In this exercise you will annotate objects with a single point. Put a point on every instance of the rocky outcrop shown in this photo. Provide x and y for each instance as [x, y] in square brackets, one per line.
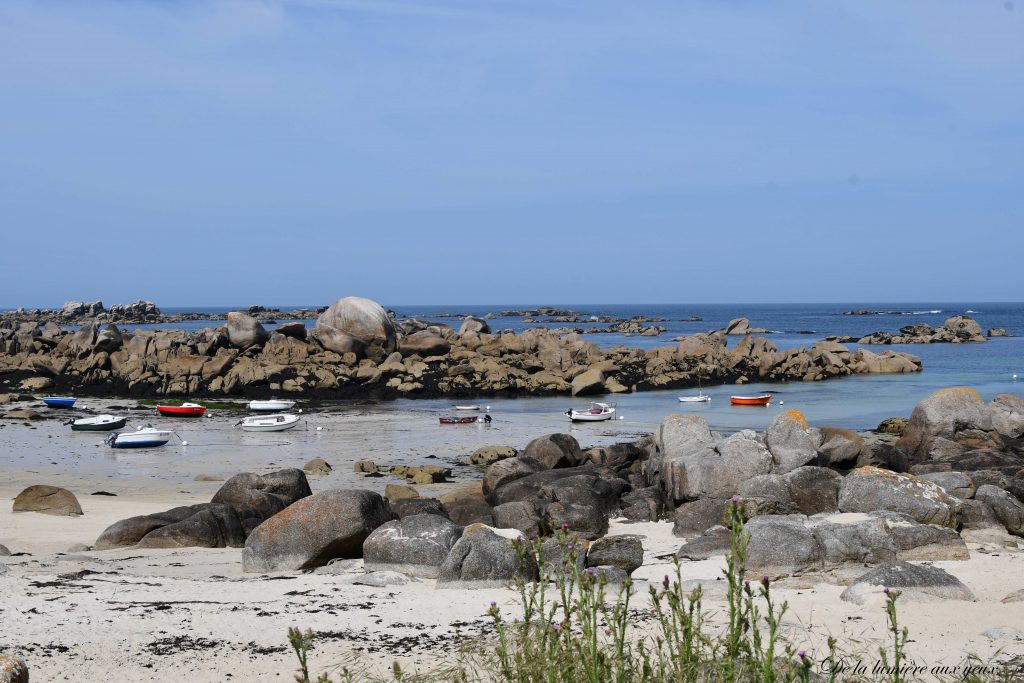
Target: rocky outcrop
[740, 327]
[956, 330]
[942, 416]
[49, 500]
[357, 351]
[315, 530]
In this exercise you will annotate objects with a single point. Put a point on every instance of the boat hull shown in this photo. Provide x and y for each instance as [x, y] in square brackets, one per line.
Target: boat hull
[694, 399]
[457, 420]
[59, 401]
[99, 426]
[269, 424]
[270, 406]
[147, 438]
[750, 400]
[181, 411]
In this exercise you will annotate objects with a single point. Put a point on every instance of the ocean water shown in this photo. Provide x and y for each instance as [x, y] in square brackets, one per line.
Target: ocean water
[855, 402]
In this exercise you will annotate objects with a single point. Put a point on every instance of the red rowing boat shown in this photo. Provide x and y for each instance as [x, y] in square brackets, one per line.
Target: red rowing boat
[184, 410]
[457, 420]
[761, 400]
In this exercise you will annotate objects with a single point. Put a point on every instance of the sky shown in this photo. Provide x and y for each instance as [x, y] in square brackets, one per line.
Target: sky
[234, 152]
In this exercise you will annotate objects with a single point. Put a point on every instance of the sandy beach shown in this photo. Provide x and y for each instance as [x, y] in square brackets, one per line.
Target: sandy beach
[161, 615]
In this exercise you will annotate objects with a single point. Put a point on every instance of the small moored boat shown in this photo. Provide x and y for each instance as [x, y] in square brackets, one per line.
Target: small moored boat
[598, 412]
[268, 423]
[762, 400]
[59, 401]
[274, 404]
[699, 398]
[184, 410]
[467, 407]
[459, 420]
[100, 423]
[144, 437]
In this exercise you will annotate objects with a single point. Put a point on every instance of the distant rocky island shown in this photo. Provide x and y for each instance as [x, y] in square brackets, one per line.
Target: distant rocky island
[140, 313]
[357, 350]
[958, 329]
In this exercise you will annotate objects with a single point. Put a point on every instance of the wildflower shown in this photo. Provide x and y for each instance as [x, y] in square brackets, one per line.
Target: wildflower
[765, 580]
[556, 627]
[734, 499]
[801, 654]
[565, 526]
[665, 582]
[886, 590]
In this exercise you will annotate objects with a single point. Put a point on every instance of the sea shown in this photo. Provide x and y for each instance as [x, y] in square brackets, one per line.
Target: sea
[406, 431]
[993, 367]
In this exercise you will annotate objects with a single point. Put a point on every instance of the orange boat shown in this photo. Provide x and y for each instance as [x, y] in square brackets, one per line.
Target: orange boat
[761, 400]
[184, 410]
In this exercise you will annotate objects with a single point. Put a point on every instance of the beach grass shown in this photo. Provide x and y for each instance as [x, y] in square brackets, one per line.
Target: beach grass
[572, 626]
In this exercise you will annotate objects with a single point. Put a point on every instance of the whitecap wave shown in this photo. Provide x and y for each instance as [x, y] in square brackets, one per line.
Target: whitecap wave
[926, 312]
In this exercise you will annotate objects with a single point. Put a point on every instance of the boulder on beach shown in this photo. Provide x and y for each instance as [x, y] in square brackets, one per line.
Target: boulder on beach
[485, 455]
[625, 551]
[868, 489]
[13, 669]
[205, 525]
[314, 530]
[555, 451]
[942, 414]
[917, 583]
[790, 441]
[692, 519]
[417, 545]
[483, 559]
[424, 343]
[317, 466]
[782, 544]
[356, 325]
[49, 500]
[1007, 509]
[256, 497]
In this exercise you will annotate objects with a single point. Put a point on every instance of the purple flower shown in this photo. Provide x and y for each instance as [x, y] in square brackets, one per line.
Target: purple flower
[765, 580]
[493, 603]
[734, 499]
[746, 583]
[565, 526]
[886, 590]
[556, 628]
[665, 581]
[801, 654]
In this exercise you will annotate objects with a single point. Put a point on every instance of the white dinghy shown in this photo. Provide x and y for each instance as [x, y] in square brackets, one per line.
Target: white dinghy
[268, 423]
[271, 405]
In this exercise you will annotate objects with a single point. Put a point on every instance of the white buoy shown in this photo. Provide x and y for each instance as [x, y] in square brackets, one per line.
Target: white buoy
[184, 443]
[782, 403]
[622, 417]
[488, 408]
[319, 429]
[300, 410]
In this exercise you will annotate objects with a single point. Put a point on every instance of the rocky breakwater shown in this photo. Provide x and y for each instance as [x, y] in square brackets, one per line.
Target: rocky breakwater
[958, 329]
[139, 312]
[356, 350]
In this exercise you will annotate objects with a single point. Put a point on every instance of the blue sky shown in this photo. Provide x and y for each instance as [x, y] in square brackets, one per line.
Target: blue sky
[258, 151]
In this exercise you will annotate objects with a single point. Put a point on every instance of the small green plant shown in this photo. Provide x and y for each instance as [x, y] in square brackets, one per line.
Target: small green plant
[570, 629]
[899, 639]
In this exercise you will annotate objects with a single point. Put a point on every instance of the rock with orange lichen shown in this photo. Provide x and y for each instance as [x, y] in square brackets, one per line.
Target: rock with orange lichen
[791, 443]
[942, 415]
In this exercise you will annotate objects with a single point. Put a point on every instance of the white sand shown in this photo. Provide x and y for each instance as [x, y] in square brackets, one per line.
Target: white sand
[161, 615]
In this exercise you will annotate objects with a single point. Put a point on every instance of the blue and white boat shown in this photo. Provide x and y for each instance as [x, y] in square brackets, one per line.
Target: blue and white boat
[143, 437]
[59, 401]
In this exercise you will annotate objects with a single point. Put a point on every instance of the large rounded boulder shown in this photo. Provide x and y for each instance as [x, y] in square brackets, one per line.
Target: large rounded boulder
[245, 331]
[357, 325]
[942, 415]
[50, 500]
[868, 489]
[483, 559]
[417, 545]
[315, 530]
